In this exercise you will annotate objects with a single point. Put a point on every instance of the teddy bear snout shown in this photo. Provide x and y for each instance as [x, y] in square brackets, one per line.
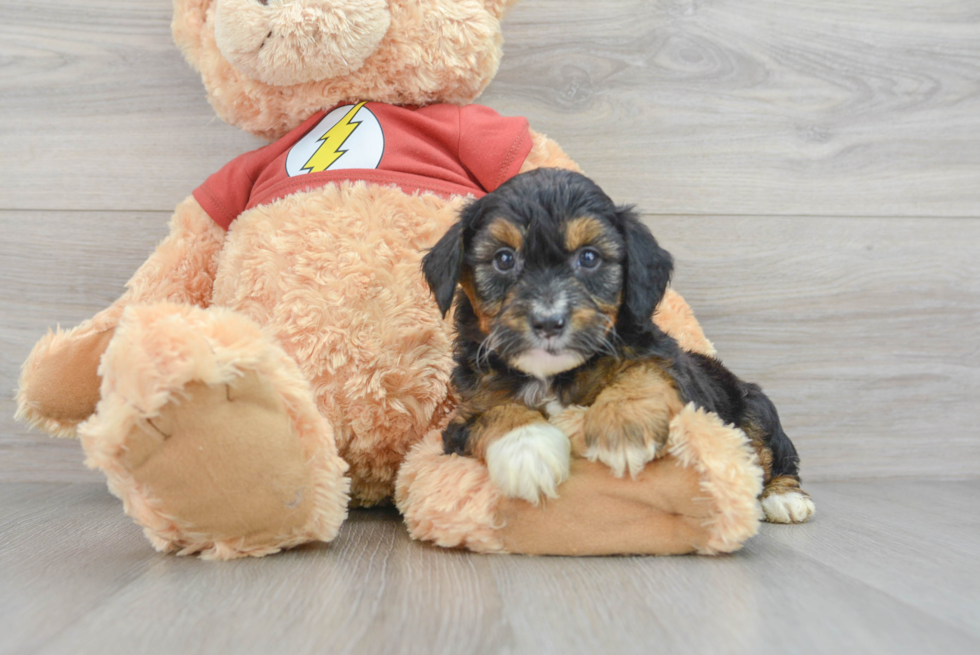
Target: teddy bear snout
[286, 42]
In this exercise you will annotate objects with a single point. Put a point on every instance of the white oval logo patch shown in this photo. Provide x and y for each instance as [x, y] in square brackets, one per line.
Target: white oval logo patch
[347, 137]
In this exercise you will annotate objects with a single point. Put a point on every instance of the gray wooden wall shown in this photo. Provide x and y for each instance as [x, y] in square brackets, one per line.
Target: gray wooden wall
[813, 166]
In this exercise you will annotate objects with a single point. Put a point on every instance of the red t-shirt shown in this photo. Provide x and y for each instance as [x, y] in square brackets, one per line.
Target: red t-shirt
[445, 149]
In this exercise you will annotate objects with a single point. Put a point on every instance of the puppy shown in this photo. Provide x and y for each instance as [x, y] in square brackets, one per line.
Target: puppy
[556, 289]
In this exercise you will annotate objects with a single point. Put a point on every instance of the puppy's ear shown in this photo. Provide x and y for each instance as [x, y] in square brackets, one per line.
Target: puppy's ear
[443, 265]
[648, 268]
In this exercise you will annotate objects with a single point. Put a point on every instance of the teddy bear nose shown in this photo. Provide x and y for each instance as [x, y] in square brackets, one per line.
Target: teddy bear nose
[548, 325]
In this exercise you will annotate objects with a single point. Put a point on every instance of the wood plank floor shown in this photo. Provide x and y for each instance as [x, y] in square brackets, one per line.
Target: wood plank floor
[886, 566]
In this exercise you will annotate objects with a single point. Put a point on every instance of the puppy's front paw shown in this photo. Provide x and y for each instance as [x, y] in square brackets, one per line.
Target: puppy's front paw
[628, 424]
[623, 444]
[529, 461]
[789, 507]
[623, 456]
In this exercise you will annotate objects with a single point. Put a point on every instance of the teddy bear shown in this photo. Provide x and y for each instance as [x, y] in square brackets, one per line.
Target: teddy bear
[279, 358]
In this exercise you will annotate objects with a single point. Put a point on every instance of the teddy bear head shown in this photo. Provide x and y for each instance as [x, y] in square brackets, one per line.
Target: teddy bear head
[269, 64]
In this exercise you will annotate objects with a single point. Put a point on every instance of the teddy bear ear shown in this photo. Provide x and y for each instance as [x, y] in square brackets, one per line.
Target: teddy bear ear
[499, 8]
[189, 19]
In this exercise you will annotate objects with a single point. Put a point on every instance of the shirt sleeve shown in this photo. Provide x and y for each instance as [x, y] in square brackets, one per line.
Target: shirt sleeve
[492, 147]
[225, 194]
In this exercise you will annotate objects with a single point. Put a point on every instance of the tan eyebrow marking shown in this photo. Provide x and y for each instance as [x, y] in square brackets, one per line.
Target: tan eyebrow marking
[582, 231]
[506, 232]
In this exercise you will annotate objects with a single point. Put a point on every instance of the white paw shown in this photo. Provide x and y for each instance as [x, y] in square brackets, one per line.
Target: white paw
[529, 461]
[632, 457]
[792, 507]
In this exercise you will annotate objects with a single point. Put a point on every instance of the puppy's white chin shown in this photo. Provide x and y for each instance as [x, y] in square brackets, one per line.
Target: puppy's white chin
[543, 364]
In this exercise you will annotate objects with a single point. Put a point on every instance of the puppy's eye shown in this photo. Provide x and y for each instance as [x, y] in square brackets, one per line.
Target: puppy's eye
[589, 258]
[503, 260]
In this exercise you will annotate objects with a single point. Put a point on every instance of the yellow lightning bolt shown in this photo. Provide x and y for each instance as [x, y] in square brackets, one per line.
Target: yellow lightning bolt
[329, 151]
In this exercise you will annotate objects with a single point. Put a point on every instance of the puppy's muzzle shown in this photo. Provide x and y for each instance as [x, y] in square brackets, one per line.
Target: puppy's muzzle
[548, 325]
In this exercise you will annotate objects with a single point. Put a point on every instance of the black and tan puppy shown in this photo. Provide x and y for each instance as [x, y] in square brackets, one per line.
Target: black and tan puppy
[557, 289]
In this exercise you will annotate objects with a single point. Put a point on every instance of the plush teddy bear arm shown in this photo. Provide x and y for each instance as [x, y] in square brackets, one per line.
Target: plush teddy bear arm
[675, 317]
[546, 153]
[700, 496]
[59, 382]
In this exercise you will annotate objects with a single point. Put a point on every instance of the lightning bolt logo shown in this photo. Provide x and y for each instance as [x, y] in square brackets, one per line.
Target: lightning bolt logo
[332, 140]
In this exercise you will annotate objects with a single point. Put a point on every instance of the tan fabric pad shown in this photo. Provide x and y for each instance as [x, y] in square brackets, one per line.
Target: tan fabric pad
[226, 460]
[661, 512]
[66, 384]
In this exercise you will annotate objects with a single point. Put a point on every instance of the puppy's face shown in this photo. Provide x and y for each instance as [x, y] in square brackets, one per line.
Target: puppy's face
[549, 266]
[546, 293]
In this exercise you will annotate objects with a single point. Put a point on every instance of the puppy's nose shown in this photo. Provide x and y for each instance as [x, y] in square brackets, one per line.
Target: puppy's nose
[550, 325]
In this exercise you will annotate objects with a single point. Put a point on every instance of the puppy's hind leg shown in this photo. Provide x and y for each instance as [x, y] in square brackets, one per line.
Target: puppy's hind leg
[782, 499]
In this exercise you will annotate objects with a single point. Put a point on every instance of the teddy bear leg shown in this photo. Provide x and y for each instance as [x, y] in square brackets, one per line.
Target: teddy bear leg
[209, 434]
